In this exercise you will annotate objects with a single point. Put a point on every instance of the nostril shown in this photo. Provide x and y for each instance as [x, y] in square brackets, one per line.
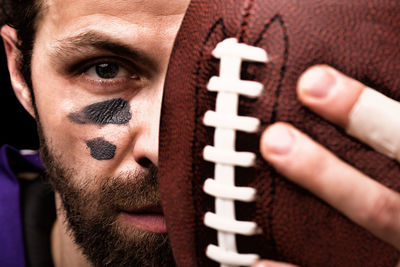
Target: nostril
[145, 162]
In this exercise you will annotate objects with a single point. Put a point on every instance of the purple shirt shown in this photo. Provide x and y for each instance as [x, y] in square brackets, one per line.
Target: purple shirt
[11, 236]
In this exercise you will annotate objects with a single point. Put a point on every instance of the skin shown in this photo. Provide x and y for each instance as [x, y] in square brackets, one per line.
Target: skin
[138, 24]
[64, 74]
[114, 111]
[310, 165]
[100, 149]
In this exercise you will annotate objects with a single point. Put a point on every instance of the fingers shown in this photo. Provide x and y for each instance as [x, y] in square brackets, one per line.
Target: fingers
[269, 263]
[313, 167]
[365, 113]
[329, 93]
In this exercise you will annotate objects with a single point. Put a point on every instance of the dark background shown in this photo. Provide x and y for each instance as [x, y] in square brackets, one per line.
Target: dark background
[17, 128]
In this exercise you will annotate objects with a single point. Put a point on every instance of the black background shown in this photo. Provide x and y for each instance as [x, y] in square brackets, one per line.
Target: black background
[17, 127]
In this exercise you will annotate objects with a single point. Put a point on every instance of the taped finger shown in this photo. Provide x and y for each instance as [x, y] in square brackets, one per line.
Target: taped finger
[375, 120]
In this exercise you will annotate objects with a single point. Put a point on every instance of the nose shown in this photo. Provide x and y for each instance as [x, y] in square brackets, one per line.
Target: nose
[145, 151]
[147, 122]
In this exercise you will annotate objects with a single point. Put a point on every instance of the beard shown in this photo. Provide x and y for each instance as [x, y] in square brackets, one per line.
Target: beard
[92, 209]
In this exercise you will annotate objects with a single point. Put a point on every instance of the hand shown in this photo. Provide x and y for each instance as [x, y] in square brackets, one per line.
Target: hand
[308, 164]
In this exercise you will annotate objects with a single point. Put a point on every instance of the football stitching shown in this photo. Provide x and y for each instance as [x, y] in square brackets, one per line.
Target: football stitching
[245, 21]
[244, 25]
[229, 86]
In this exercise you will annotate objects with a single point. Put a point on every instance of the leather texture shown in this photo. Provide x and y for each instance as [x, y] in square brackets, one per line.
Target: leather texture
[361, 38]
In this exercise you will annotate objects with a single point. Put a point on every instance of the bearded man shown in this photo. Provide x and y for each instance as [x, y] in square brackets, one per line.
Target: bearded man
[92, 73]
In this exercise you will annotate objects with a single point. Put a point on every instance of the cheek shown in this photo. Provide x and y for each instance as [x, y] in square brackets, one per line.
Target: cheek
[89, 149]
[101, 149]
[81, 132]
[54, 99]
[115, 112]
[58, 132]
[85, 145]
[68, 139]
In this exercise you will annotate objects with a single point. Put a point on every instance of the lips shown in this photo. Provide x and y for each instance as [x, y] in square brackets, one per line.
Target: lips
[149, 219]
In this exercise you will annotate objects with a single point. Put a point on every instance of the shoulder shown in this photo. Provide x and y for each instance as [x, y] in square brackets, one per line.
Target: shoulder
[11, 236]
[27, 209]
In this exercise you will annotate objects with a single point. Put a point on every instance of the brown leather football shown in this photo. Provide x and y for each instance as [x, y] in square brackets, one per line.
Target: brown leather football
[360, 38]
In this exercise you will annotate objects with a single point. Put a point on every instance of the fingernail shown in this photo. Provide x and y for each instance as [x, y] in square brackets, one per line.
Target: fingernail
[317, 82]
[279, 140]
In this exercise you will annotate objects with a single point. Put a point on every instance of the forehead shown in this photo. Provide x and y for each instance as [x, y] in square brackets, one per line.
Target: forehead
[71, 15]
[122, 8]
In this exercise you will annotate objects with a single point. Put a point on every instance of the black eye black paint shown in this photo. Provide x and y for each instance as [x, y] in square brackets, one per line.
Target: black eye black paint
[114, 111]
[100, 149]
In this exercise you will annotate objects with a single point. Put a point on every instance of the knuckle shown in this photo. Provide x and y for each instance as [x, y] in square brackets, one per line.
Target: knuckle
[384, 213]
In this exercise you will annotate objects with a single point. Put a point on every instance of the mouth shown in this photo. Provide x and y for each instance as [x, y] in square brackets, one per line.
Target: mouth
[149, 219]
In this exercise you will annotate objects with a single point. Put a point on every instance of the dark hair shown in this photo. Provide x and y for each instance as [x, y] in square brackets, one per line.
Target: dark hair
[22, 15]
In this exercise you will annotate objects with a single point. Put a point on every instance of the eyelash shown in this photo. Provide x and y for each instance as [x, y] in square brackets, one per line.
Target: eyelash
[80, 70]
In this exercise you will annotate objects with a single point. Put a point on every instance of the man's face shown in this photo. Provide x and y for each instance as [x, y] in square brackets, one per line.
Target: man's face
[98, 69]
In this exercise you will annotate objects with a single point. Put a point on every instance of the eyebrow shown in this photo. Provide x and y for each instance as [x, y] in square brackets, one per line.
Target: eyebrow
[90, 41]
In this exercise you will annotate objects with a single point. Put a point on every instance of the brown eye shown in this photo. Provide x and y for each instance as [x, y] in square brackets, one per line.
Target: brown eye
[107, 71]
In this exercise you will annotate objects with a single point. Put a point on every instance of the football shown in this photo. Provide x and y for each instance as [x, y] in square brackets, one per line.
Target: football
[233, 71]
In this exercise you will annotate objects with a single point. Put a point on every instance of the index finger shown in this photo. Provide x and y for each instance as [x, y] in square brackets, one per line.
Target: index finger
[365, 113]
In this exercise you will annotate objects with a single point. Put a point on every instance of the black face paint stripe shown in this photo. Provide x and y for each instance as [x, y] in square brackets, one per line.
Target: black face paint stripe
[114, 111]
[100, 149]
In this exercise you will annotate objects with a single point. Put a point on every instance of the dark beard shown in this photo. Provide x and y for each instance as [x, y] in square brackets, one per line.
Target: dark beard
[92, 212]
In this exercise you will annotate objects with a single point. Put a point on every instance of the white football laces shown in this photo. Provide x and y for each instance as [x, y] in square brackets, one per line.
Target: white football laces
[226, 121]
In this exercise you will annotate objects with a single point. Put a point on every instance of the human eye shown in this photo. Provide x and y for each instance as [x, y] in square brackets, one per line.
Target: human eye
[109, 70]
[107, 74]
